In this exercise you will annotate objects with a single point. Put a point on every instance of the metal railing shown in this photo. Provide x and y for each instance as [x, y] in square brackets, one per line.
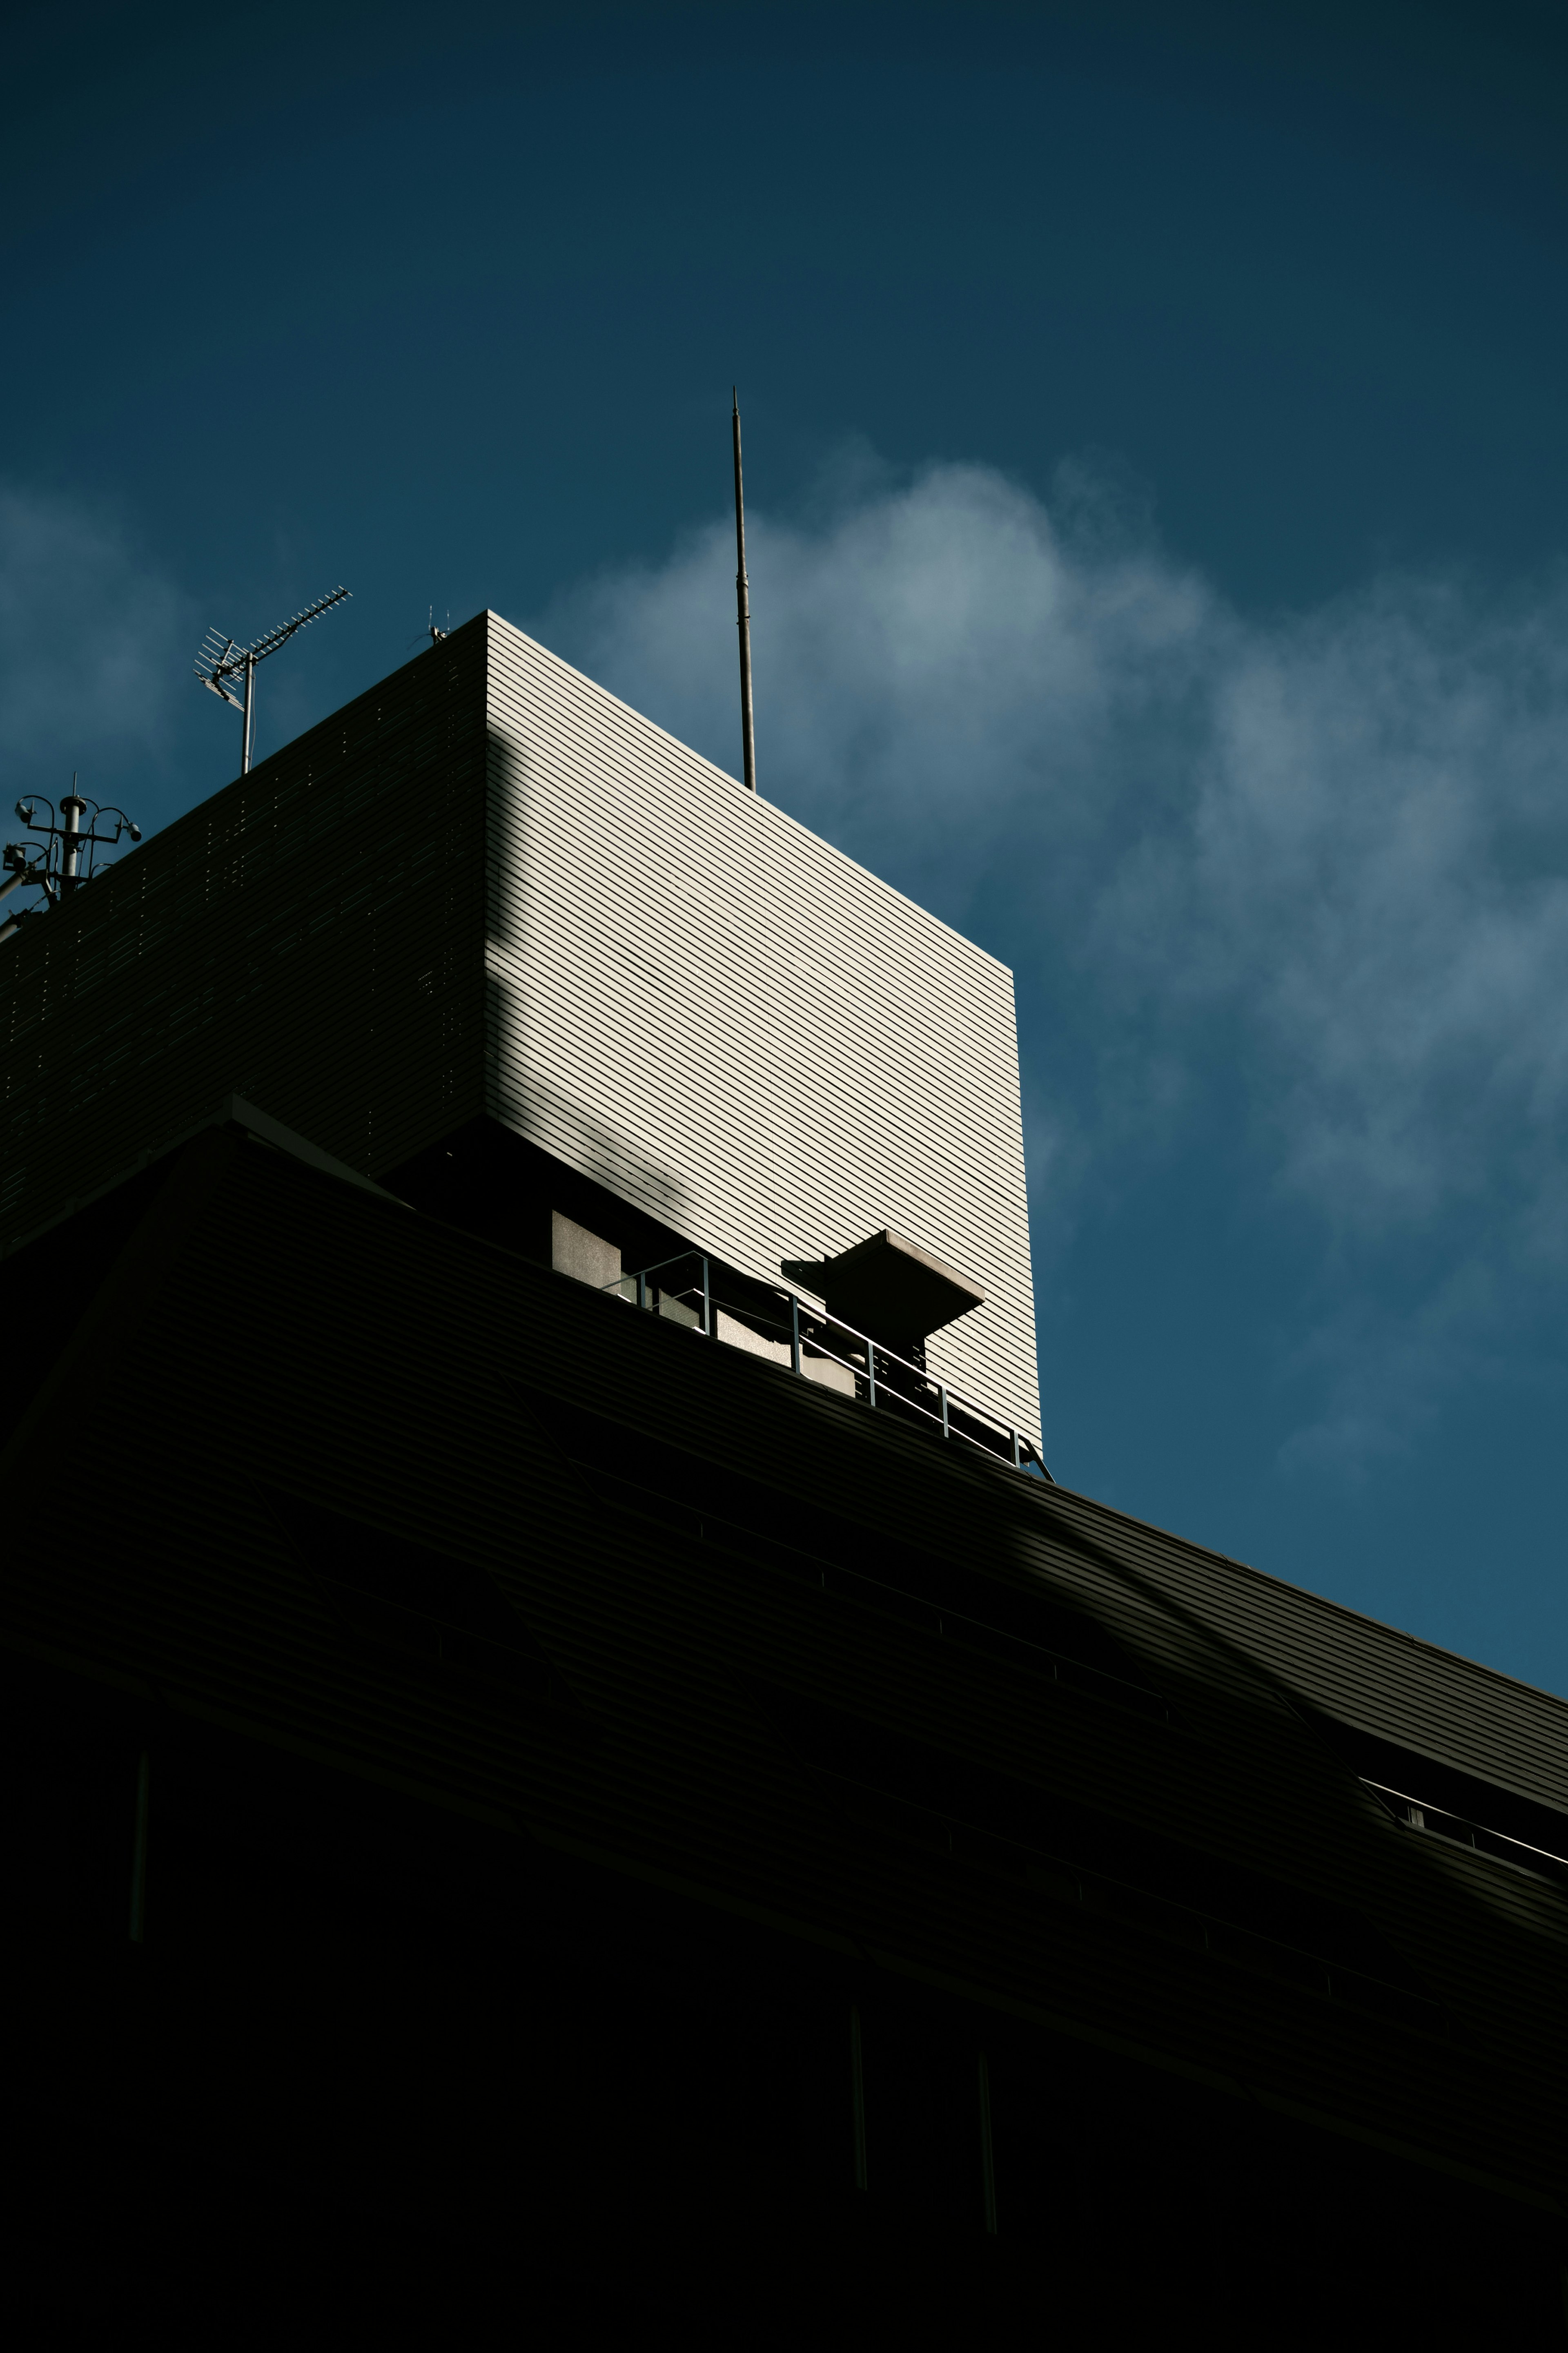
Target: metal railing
[1421, 1814]
[881, 1378]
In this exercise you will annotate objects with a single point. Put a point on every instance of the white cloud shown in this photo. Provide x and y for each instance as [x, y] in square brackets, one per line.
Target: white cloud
[1326, 853]
[1380, 833]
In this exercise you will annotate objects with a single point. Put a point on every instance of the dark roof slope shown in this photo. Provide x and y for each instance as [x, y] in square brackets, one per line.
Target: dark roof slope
[1073, 1770]
[1364, 1673]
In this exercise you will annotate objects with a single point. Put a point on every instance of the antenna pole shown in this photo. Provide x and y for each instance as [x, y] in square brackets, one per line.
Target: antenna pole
[249, 690]
[742, 607]
[71, 810]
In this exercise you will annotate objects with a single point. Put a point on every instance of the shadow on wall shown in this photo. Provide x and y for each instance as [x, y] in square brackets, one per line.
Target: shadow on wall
[561, 1125]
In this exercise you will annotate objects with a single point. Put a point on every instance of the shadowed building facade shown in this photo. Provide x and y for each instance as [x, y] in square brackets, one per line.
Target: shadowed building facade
[570, 1767]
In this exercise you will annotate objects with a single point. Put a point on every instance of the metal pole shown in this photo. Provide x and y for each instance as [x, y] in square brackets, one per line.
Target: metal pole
[794, 1334]
[70, 854]
[988, 2157]
[743, 608]
[249, 678]
[857, 2098]
[139, 1853]
[707, 1304]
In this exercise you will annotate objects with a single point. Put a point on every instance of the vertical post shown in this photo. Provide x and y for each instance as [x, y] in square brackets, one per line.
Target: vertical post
[742, 607]
[871, 1370]
[794, 1334]
[1017, 1461]
[139, 1852]
[942, 1392]
[858, 2098]
[249, 685]
[707, 1304]
[70, 849]
[642, 1289]
[988, 2155]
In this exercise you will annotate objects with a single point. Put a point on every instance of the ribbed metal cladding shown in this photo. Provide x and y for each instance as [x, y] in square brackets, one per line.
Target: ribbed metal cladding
[696, 1000]
[488, 886]
[304, 1332]
[1375, 1677]
[307, 938]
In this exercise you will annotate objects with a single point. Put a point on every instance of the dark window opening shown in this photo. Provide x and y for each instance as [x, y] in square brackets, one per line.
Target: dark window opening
[717, 1506]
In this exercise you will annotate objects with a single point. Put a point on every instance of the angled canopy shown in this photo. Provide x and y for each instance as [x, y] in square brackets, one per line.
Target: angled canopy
[896, 1290]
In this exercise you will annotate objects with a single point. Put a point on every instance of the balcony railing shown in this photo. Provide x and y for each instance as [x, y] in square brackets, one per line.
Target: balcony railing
[1420, 1814]
[776, 1323]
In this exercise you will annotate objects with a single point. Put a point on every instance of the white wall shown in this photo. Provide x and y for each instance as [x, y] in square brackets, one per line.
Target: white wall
[707, 1008]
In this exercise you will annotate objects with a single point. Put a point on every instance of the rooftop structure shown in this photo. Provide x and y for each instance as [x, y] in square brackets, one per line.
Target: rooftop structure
[496, 940]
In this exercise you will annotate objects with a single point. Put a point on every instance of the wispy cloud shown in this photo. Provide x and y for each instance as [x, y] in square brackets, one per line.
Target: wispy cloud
[1326, 854]
[90, 638]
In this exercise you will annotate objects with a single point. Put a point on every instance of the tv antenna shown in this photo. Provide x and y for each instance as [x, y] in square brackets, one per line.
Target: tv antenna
[65, 855]
[221, 660]
[742, 605]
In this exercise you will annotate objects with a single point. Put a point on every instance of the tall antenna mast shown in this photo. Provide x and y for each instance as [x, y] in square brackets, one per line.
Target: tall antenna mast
[220, 660]
[743, 607]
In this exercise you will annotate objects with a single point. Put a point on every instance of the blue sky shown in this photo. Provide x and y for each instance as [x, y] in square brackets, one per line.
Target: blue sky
[1159, 513]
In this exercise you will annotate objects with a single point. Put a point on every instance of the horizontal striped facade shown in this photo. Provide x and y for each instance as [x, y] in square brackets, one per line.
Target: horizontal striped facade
[1377, 1679]
[306, 939]
[294, 1329]
[489, 888]
[735, 1026]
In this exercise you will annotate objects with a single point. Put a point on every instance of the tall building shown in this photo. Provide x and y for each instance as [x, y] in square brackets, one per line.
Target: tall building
[571, 1764]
